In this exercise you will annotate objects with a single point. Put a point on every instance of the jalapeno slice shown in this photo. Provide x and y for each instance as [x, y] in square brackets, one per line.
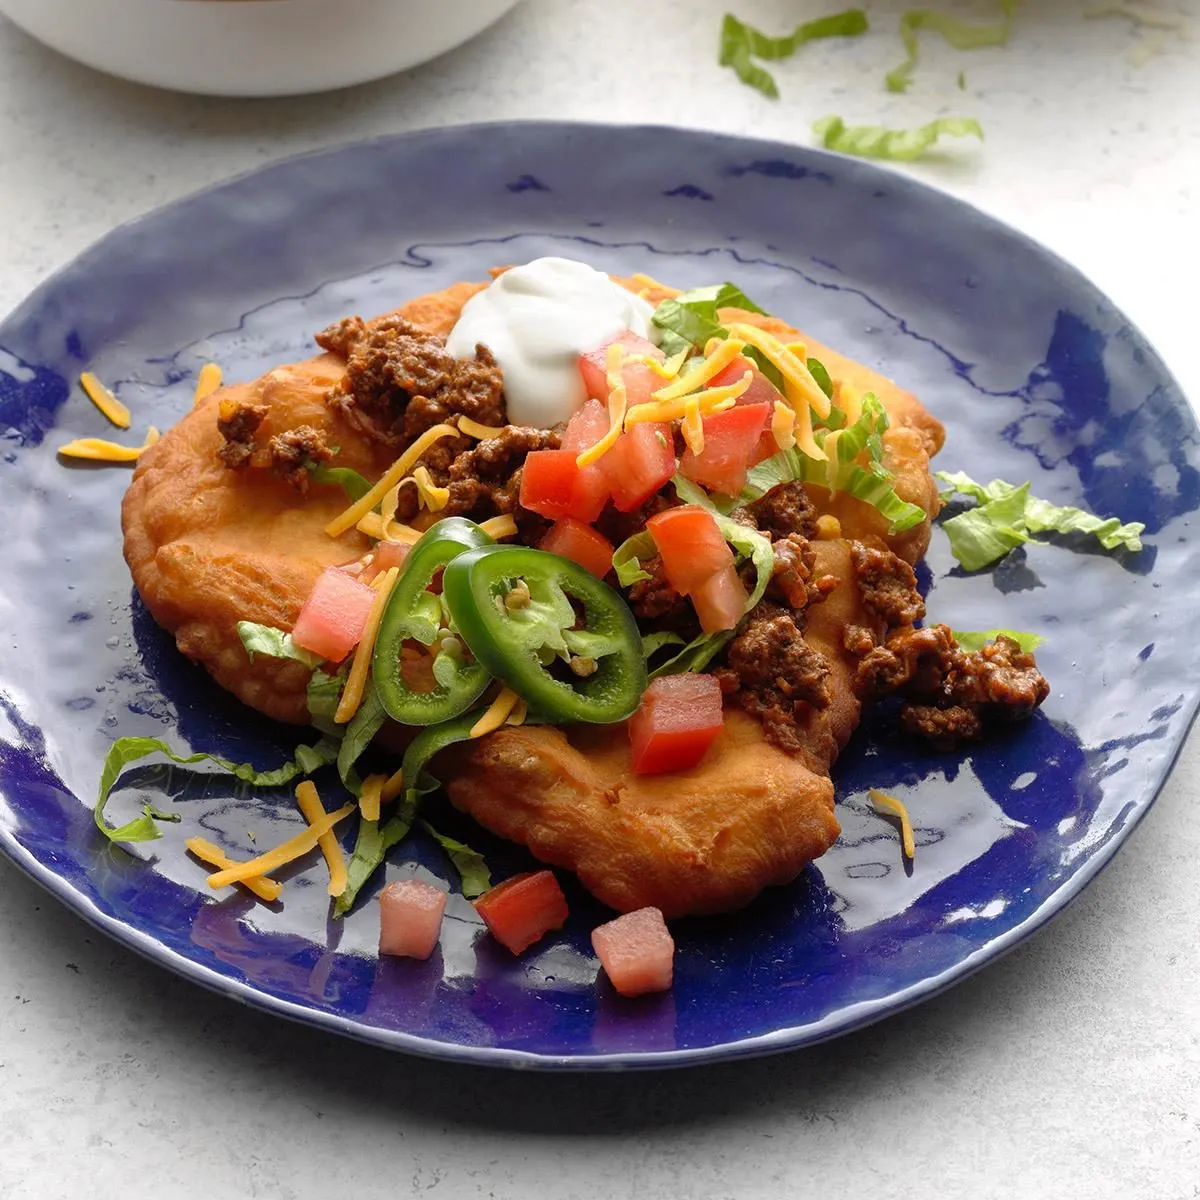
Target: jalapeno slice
[552, 631]
[414, 613]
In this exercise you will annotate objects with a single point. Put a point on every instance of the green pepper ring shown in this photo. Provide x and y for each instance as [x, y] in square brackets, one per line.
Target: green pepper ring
[474, 581]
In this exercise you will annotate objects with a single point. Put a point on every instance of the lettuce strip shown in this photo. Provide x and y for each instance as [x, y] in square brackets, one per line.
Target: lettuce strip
[371, 845]
[127, 750]
[274, 643]
[690, 319]
[895, 145]
[975, 639]
[741, 43]
[472, 869]
[959, 34]
[362, 727]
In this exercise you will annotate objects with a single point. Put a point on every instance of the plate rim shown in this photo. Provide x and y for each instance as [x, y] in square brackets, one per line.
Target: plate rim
[842, 1021]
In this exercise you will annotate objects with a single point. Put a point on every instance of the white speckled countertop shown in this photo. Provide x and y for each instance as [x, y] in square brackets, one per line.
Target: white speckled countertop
[1071, 1068]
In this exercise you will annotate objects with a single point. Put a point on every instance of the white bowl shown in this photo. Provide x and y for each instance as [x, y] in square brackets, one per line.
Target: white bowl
[253, 47]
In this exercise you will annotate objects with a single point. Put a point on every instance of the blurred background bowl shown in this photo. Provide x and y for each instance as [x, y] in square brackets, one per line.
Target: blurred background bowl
[253, 47]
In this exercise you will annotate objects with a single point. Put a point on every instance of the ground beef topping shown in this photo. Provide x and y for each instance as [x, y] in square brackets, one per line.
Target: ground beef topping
[888, 585]
[785, 509]
[291, 452]
[952, 695]
[400, 380]
[654, 599]
[775, 675]
[792, 582]
[237, 424]
[286, 454]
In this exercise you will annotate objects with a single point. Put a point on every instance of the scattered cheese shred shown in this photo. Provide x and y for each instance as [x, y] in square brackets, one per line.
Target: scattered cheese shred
[393, 787]
[99, 450]
[498, 712]
[282, 854]
[476, 430]
[313, 810]
[105, 401]
[848, 399]
[519, 713]
[711, 400]
[651, 284]
[892, 805]
[433, 497]
[783, 425]
[372, 795]
[214, 856]
[832, 463]
[804, 429]
[794, 369]
[693, 425]
[373, 526]
[666, 368]
[392, 476]
[207, 382]
[499, 527]
[360, 667]
[618, 398]
[697, 376]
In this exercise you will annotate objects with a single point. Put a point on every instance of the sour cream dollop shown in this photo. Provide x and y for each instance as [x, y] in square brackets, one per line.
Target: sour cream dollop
[537, 320]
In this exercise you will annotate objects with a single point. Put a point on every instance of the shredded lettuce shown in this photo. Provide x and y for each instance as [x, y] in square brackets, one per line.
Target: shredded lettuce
[274, 643]
[362, 727]
[371, 845]
[976, 639]
[349, 480]
[873, 484]
[896, 145]
[127, 750]
[741, 44]
[628, 557]
[1006, 516]
[324, 692]
[960, 34]
[470, 864]
[652, 643]
[690, 319]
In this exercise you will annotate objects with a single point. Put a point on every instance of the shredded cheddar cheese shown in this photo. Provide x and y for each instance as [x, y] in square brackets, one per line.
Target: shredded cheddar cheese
[499, 527]
[892, 805]
[711, 400]
[783, 425]
[848, 399]
[697, 376]
[392, 476]
[374, 527]
[693, 425]
[650, 284]
[618, 398]
[313, 810]
[797, 378]
[214, 856]
[829, 528]
[476, 430]
[105, 401]
[668, 368]
[207, 382]
[804, 428]
[498, 712]
[519, 713]
[282, 854]
[433, 497]
[393, 787]
[832, 462]
[100, 450]
[360, 667]
[372, 794]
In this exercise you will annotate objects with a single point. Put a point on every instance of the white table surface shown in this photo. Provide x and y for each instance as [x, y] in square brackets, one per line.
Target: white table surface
[1071, 1068]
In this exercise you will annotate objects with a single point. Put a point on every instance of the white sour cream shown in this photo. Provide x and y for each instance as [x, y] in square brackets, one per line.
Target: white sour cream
[537, 320]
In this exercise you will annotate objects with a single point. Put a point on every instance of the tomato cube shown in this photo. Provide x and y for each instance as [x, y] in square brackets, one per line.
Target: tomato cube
[691, 546]
[720, 601]
[385, 556]
[553, 485]
[640, 381]
[410, 918]
[641, 462]
[334, 615]
[637, 952]
[581, 544]
[523, 909]
[761, 389]
[679, 718]
[730, 441]
[586, 427]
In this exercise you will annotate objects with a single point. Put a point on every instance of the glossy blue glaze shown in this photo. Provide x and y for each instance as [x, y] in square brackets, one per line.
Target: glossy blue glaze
[1034, 372]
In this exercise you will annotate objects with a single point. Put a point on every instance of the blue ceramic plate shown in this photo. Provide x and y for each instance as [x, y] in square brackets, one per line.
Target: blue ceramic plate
[1034, 372]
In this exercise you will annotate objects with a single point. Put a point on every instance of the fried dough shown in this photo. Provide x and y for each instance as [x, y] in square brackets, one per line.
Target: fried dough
[208, 547]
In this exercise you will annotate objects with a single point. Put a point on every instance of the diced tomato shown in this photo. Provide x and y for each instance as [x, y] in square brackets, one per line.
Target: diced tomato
[553, 485]
[333, 616]
[690, 544]
[586, 427]
[679, 718]
[410, 918]
[581, 544]
[760, 391]
[522, 909]
[730, 440]
[641, 462]
[637, 952]
[720, 601]
[639, 379]
[384, 557]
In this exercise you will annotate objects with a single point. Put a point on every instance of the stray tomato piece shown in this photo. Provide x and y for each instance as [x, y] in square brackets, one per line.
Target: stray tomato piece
[691, 546]
[720, 602]
[679, 718]
[521, 910]
[730, 441]
[554, 486]
[332, 619]
[581, 544]
[639, 379]
[637, 952]
[385, 556]
[410, 918]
